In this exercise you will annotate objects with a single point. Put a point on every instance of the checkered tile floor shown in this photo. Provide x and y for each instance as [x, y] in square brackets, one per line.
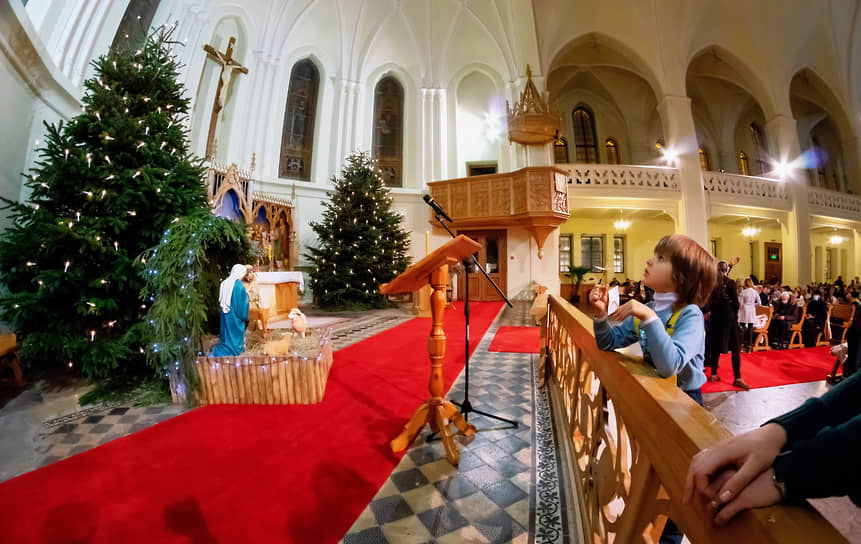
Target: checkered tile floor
[490, 497]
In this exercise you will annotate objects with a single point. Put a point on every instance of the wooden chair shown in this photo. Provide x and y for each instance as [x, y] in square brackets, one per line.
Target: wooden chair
[760, 342]
[795, 339]
[846, 312]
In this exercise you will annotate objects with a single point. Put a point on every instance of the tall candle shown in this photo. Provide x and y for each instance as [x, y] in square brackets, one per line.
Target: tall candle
[427, 242]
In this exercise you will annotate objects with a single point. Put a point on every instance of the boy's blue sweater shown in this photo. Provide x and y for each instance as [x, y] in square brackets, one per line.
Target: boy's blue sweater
[680, 355]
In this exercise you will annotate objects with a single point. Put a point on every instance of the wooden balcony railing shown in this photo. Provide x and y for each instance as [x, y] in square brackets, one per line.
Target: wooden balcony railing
[535, 198]
[631, 436]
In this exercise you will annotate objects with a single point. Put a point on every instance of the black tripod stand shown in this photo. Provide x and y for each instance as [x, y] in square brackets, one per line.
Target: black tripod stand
[466, 406]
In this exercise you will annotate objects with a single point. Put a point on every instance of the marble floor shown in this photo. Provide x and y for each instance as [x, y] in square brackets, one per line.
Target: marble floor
[506, 474]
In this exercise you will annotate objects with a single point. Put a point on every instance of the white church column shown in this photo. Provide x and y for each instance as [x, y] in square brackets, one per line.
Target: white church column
[65, 40]
[343, 122]
[783, 132]
[191, 24]
[265, 145]
[254, 114]
[678, 121]
[433, 134]
[86, 50]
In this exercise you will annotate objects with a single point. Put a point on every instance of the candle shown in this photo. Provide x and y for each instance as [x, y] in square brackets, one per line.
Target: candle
[427, 242]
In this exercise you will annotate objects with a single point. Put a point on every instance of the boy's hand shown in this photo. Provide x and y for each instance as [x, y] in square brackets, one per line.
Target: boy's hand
[599, 299]
[635, 308]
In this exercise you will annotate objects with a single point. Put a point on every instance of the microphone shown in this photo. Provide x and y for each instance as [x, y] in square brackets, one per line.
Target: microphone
[436, 207]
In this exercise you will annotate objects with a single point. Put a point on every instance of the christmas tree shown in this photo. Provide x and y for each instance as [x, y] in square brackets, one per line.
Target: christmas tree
[108, 185]
[362, 242]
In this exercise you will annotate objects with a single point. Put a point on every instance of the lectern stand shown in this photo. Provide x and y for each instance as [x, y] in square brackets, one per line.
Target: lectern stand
[437, 411]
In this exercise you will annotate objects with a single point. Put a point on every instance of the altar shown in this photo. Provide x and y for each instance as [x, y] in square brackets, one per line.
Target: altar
[279, 291]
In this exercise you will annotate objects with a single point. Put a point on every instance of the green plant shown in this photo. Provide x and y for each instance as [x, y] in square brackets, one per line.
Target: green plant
[576, 273]
[182, 278]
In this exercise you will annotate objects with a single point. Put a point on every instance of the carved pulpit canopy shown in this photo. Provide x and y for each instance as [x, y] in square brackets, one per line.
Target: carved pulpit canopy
[530, 121]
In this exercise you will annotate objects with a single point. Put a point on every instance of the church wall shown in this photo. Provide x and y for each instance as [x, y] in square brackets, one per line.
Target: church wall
[33, 91]
[731, 243]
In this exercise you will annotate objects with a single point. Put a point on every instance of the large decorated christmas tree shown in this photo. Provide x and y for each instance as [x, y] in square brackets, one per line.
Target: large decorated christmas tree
[362, 241]
[107, 187]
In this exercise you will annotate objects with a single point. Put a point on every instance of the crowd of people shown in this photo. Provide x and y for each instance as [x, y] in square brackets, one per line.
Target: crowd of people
[731, 319]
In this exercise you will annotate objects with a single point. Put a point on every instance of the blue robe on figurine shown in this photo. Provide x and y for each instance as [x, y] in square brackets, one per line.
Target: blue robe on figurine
[233, 300]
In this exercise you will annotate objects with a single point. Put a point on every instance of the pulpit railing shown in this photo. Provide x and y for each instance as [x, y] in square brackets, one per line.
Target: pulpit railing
[630, 438]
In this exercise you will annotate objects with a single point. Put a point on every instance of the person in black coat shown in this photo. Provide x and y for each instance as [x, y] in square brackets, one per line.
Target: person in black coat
[722, 326]
[814, 321]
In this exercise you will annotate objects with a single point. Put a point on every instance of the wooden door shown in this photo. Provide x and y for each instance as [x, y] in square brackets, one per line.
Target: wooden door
[493, 257]
[773, 252]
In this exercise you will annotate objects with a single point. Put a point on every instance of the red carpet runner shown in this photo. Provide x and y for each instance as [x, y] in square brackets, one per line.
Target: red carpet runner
[245, 473]
[516, 340]
[776, 367]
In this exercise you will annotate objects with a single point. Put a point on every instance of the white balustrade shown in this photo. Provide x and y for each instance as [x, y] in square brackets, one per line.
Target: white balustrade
[834, 200]
[735, 185]
[622, 175]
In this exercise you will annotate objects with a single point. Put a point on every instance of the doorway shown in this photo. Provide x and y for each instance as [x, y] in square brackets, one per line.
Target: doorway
[773, 262]
[493, 257]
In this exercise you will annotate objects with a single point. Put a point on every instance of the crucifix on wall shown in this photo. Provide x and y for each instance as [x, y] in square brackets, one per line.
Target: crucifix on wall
[228, 66]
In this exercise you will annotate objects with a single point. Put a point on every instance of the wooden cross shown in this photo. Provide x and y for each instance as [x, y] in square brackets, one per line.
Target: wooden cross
[228, 65]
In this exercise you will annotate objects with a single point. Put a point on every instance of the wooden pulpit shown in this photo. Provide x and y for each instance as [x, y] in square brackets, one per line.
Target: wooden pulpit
[437, 411]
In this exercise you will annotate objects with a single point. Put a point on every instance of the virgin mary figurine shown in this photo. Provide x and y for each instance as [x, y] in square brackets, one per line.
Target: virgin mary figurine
[233, 300]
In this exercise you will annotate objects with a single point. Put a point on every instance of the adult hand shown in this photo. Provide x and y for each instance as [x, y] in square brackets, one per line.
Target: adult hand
[751, 453]
[734, 261]
[780, 317]
[599, 299]
[635, 308]
[761, 491]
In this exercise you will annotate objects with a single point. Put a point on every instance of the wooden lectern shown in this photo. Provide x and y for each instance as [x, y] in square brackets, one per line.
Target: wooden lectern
[436, 411]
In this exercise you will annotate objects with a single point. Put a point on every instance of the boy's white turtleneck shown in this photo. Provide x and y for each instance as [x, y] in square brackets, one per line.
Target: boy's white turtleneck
[664, 301]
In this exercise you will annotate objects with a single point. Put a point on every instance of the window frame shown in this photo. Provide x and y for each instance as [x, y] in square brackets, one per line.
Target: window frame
[592, 266]
[563, 269]
[611, 143]
[619, 254]
[560, 143]
[743, 164]
[395, 161]
[588, 132]
[296, 104]
[705, 160]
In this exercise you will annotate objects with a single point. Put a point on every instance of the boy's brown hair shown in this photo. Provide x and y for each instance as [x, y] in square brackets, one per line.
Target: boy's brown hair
[694, 269]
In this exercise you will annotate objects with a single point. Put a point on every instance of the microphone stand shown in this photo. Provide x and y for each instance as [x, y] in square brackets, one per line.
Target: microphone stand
[466, 406]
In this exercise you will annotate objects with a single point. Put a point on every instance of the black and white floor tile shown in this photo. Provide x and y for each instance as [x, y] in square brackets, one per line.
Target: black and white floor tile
[491, 497]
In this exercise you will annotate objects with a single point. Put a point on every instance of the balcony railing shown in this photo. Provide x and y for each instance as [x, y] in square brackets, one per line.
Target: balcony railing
[829, 201]
[622, 176]
[736, 185]
[630, 438]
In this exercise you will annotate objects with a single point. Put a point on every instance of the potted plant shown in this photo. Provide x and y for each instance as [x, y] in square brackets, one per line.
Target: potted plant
[577, 273]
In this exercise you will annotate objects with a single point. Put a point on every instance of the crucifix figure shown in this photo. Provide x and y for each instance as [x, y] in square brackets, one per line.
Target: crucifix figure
[228, 65]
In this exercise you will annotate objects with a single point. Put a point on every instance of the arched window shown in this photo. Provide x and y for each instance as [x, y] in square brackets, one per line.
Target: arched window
[705, 165]
[820, 159]
[388, 130]
[585, 142]
[560, 151]
[297, 136]
[612, 151]
[758, 140]
[743, 167]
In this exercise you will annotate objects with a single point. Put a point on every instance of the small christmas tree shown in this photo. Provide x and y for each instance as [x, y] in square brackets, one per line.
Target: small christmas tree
[362, 242]
[109, 184]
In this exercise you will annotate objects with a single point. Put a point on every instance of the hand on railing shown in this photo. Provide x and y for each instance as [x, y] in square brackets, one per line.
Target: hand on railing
[732, 476]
